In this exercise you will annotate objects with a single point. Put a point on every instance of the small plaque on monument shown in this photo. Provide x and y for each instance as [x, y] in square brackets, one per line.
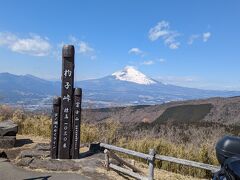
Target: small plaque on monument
[76, 122]
[55, 127]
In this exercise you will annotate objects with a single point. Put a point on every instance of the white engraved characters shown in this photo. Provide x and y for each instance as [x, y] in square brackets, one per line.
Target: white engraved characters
[67, 85]
[77, 104]
[67, 72]
[67, 97]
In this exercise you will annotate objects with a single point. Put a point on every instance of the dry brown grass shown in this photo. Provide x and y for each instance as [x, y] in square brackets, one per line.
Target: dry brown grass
[111, 132]
[5, 112]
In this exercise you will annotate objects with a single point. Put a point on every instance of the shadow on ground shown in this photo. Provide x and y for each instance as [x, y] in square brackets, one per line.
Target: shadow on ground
[39, 178]
[22, 142]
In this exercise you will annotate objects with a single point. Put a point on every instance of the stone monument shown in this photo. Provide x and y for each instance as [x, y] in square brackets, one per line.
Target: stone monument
[66, 115]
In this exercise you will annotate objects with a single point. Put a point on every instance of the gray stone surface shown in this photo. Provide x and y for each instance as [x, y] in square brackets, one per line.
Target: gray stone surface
[24, 161]
[37, 158]
[7, 141]
[34, 153]
[9, 171]
[8, 128]
[8, 131]
[43, 147]
[55, 165]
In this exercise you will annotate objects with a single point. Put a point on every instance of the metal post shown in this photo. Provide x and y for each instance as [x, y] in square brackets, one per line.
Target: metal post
[76, 122]
[66, 105]
[151, 164]
[55, 127]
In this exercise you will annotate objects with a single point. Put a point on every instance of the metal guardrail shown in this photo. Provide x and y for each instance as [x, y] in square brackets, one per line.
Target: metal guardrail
[151, 157]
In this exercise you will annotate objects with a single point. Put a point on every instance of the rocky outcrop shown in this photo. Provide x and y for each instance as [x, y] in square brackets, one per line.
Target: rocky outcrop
[8, 131]
[38, 157]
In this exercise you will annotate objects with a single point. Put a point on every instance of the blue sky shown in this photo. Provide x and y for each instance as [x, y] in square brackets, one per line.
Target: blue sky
[188, 43]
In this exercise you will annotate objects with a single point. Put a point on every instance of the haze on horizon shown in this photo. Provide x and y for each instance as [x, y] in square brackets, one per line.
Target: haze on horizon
[192, 44]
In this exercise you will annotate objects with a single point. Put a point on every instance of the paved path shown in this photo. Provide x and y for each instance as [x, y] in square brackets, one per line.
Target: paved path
[9, 171]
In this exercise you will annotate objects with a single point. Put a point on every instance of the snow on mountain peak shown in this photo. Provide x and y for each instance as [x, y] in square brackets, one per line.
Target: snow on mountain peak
[130, 74]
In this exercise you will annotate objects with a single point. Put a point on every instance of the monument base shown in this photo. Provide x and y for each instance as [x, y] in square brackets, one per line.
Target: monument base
[39, 158]
[34, 160]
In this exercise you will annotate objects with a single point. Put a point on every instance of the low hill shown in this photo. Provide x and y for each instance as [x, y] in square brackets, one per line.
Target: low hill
[224, 111]
[184, 113]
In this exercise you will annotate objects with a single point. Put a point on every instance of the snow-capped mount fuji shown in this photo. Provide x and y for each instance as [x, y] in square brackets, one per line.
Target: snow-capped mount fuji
[125, 87]
[131, 87]
[130, 74]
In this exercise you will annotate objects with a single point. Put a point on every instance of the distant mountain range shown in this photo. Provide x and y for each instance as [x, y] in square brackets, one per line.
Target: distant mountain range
[125, 87]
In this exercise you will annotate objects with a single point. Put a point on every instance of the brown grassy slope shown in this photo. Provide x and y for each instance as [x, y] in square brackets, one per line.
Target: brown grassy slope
[225, 111]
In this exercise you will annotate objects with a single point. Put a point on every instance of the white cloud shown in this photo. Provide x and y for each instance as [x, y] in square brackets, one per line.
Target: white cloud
[162, 30]
[84, 48]
[192, 38]
[57, 51]
[150, 62]
[135, 51]
[206, 36]
[34, 45]
[174, 45]
[171, 41]
[73, 39]
[161, 60]
[81, 47]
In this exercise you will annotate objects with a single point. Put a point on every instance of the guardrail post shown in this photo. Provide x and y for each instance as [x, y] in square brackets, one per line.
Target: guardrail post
[151, 164]
[106, 159]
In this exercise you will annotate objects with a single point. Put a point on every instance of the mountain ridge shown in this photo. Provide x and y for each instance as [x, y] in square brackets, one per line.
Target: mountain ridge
[118, 89]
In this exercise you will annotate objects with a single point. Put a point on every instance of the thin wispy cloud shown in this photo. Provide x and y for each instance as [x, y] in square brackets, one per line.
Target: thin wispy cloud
[161, 60]
[177, 80]
[192, 38]
[33, 45]
[150, 62]
[162, 31]
[83, 47]
[135, 51]
[206, 36]
[87, 50]
[73, 39]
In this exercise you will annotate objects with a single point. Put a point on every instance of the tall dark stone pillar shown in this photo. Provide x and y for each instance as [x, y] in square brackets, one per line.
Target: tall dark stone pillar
[67, 101]
[76, 122]
[55, 127]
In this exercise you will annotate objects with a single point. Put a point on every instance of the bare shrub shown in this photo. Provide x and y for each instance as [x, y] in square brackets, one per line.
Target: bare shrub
[5, 112]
